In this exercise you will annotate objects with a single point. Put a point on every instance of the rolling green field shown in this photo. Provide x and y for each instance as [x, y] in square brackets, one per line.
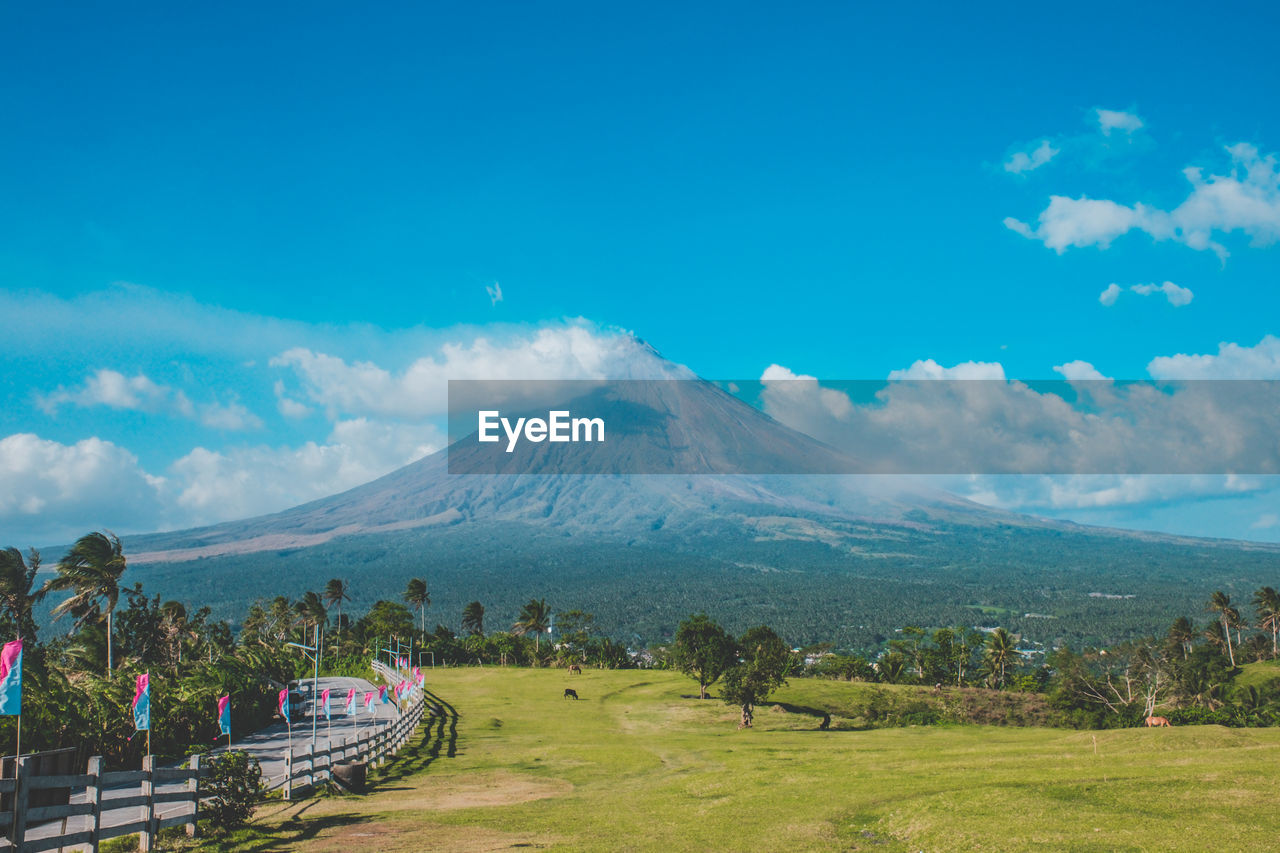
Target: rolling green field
[638, 764]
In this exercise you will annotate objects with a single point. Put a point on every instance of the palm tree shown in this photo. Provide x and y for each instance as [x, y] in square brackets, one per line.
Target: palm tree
[415, 593]
[337, 591]
[1220, 603]
[91, 570]
[1267, 602]
[534, 618]
[311, 611]
[16, 595]
[1001, 651]
[473, 619]
[1183, 633]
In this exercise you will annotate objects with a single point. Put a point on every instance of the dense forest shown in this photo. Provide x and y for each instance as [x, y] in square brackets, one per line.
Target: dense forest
[1052, 587]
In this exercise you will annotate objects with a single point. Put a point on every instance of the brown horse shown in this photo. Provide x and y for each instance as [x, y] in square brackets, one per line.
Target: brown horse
[575, 669]
[1157, 721]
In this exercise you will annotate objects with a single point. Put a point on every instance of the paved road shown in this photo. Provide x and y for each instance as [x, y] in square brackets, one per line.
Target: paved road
[269, 746]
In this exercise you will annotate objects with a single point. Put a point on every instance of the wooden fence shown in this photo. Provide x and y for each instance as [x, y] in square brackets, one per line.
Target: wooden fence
[27, 827]
[305, 768]
[140, 794]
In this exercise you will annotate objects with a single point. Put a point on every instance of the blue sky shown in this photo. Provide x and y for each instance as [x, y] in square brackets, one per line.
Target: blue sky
[208, 218]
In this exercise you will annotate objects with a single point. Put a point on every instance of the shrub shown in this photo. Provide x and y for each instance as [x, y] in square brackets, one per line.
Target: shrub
[234, 786]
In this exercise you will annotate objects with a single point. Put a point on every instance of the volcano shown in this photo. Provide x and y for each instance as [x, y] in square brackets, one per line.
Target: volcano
[823, 557]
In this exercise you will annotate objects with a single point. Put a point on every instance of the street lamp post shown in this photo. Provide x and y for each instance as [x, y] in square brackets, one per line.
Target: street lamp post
[311, 652]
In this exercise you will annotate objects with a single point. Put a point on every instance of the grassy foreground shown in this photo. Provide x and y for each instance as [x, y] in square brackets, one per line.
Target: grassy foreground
[639, 765]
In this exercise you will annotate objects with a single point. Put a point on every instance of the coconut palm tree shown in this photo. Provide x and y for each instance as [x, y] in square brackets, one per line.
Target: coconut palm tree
[1220, 603]
[416, 594]
[1267, 602]
[473, 619]
[1002, 651]
[311, 611]
[16, 594]
[534, 618]
[337, 591]
[91, 571]
[1183, 633]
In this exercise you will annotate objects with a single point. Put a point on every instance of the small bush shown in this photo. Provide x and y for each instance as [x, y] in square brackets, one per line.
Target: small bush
[234, 786]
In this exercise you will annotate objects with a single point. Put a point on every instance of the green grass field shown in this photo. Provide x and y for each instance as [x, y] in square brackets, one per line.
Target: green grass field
[639, 765]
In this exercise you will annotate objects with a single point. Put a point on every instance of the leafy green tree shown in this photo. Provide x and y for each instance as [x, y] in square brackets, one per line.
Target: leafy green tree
[337, 591]
[703, 651]
[416, 594]
[1267, 602]
[386, 619]
[1002, 652]
[91, 571]
[473, 619]
[234, 786]
[534, 618]
[766, 663]
[1220, 603]
[17, 596]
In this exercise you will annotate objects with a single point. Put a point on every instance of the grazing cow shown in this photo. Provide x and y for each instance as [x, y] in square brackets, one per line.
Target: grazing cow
[574, 669]
[1157, 721]
[570, 693]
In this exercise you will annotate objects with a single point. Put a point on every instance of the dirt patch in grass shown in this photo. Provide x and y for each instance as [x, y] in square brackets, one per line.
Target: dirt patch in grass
[390, 836]
[476, 791]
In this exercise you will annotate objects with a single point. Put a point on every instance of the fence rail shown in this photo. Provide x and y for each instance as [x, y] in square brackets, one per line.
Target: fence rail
[102, 794]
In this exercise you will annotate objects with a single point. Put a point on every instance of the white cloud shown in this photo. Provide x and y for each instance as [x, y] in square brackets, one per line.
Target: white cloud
[930, 369]
[113, 389]
[571, 352]
[246, 481]
[1177, 296]
[1265, 521]
[1021, 161]
[1109, 296]
[1247, 199]
[109, 388]
[1232, 361]
[53, 492]
[1011, 427]
[1109, 120]
[1078, 370]
[495, 293]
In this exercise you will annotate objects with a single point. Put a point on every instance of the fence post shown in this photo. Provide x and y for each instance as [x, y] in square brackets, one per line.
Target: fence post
[20, 802]
[93, 792]
[193, 787]
[147, 837]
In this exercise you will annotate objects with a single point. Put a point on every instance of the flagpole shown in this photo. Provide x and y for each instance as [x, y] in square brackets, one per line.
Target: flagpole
[18, 754]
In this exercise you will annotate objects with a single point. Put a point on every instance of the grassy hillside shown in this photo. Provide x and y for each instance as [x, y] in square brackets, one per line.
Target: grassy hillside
[638, 765]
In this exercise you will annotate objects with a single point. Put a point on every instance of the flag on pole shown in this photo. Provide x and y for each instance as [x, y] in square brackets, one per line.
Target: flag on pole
[417, 673]
[224, 714]
[368, 702]
[283, 705]
[142, 703]
[351, 703]
[11, 679]
[324, 701]
[382, 693]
